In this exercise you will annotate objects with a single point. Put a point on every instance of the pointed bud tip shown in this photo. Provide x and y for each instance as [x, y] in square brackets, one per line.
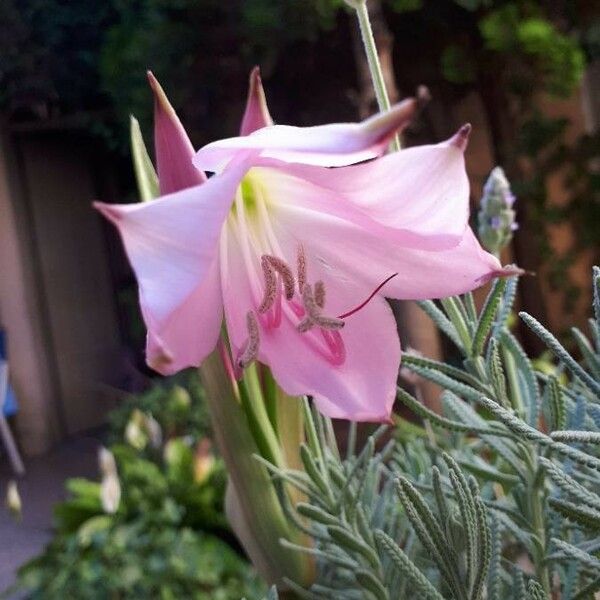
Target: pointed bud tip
[255, 74]
[256, 116]
[423, 96]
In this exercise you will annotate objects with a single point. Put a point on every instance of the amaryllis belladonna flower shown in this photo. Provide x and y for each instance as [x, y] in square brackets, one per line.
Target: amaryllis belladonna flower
[294, 252]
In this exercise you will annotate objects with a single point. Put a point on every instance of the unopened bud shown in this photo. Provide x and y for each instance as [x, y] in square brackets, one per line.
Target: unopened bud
[13, 499]
[106, 461]
[154, 431]
[110, 493]
[135, 434]
[204, 460]
[496, 215]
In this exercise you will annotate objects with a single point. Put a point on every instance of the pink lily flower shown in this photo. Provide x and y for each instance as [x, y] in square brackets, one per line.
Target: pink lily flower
[294, 253]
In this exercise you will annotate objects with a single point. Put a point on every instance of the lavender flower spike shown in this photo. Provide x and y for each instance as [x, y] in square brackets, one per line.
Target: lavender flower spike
[496, 216]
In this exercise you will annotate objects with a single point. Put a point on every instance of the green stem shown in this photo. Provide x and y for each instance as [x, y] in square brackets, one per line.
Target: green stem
[455, 314]
[536, 495]
[368, 40]
[516, 399]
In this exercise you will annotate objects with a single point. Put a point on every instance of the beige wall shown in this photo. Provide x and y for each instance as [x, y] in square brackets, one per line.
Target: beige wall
[56, 297]
[20, 315]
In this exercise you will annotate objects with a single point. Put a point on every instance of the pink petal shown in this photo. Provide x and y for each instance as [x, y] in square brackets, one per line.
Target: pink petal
[363, 388]
[257, 114]
[191, 331]
[366, 259]
[172, 241]
[174, 151]
[325, 145]
[424, 190]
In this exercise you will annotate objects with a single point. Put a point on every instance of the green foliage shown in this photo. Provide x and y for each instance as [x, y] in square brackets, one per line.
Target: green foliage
[168, 537]
[48, 54]
[177, 405]
[402, 6]
[151, 557]
[556, 58]
[450, 507]
[457, 65]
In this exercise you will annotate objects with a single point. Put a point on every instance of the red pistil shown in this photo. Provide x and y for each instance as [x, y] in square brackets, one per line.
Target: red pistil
[363, 304]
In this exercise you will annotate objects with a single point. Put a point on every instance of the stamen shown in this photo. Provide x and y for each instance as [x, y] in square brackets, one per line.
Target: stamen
[305, 325]
[314, 312]
[270, 285]
[249, 352]
[363, 304]
[301, 267]
[309, 301]
[286, 274]
[320, 294]
[331, 323]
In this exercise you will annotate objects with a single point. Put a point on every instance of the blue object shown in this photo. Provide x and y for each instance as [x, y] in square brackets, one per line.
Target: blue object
[9, 402]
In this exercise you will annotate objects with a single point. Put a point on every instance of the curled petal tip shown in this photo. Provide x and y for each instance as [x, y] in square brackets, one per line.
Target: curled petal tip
[461, 138]
[111, 212]
[383, 126]
[511, 270]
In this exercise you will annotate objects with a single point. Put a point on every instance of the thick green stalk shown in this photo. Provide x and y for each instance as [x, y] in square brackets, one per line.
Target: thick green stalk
[253, 507]
[366, 32]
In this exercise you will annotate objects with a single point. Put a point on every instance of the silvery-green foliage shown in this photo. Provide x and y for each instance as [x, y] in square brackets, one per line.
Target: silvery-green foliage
[496, 497]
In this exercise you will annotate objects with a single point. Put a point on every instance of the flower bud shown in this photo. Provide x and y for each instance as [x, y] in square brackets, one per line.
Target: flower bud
[13, 499]
[153, 430]
[110, 493]
[106, 461]
[496, 215]
[204, 460]
[135, 433]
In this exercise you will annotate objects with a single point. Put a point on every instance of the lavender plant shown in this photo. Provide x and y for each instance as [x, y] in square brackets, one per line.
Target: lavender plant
[497, 497]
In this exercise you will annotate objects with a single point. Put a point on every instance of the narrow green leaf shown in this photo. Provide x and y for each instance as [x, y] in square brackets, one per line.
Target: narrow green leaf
[584, 515]
[440, 319]
[426, 413]
[592, 361]
[486, 319]
[406, 567]
[368, 581]
[145, 175]
[589, 562]
[560, 352]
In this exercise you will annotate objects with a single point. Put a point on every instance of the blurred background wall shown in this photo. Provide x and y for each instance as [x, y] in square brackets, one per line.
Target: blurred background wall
[524, 73]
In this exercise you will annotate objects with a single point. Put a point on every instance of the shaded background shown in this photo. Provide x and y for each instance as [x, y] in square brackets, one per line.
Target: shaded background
[525, 74]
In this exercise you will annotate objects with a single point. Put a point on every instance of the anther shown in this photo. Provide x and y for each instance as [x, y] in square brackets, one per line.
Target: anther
[270, 285]
[305, 325]
[301, 267]
[249, 353]
[314, 313]
[283, 269]
[320, 294]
